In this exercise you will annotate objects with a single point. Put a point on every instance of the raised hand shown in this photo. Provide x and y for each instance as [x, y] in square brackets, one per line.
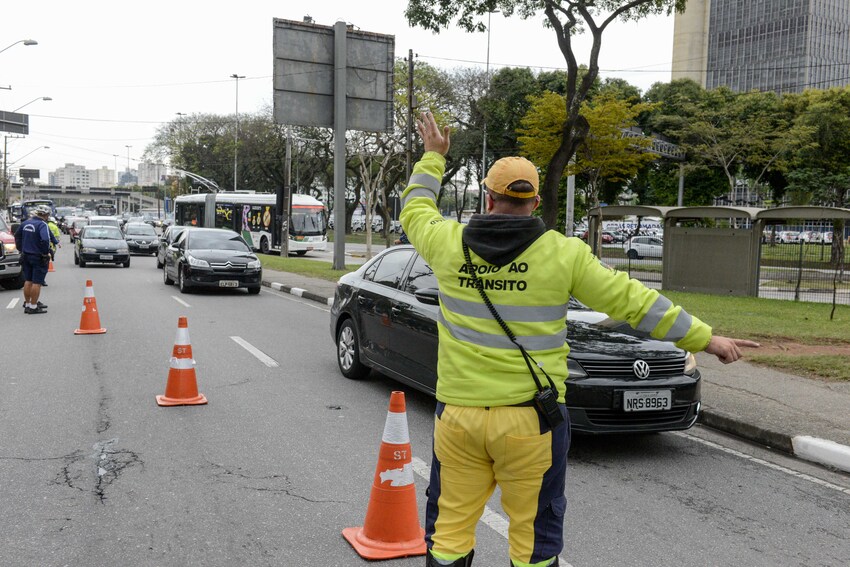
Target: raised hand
[435, 139]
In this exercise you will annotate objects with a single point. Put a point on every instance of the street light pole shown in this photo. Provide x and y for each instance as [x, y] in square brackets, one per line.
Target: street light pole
[24, 41]
[32, 101]
[481, 205]
[236, 133]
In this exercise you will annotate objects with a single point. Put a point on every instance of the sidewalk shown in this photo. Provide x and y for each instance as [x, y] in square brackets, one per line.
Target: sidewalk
[799, 416]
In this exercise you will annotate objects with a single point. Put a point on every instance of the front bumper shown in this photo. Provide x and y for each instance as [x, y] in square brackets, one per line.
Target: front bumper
[10, 266]
[206, 277]
[596, 405]
[103, 257]
[142, 247]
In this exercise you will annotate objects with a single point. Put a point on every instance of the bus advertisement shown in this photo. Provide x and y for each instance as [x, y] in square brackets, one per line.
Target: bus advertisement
[254, 216]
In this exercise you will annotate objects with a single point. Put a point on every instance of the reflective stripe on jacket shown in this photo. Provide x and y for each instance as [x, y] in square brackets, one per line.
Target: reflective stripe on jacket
[477, 364]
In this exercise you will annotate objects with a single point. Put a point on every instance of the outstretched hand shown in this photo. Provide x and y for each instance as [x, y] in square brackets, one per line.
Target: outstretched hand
[434, 139]
[728, 350]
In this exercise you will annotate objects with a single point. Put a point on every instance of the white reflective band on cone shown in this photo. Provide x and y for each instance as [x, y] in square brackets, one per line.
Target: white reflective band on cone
[395, 429]
[182, 363]
[89, 292]
[182, 336]
[398, 477]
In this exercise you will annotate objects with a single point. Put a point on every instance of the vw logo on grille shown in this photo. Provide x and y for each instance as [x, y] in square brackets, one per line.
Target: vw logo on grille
[641, 369]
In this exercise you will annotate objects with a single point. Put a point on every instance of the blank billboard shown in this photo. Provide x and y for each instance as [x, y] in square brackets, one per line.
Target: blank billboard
[304, 77]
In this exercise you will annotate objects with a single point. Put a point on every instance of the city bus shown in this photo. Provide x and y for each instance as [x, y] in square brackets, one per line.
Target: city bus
[28, 205]
[254, 216]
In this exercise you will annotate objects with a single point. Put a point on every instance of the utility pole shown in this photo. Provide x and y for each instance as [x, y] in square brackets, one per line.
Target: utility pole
[410, 104]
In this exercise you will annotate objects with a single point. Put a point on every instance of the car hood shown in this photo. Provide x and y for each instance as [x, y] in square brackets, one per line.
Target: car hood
[594, 332]
[221, 255]
[102, 242]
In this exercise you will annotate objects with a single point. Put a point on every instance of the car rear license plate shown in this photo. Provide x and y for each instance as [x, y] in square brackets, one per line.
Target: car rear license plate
[228, 283]
[106, 256]
[647, 400]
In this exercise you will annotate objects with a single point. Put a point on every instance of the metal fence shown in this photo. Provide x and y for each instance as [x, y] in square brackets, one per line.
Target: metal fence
[804, 266]
[647, 269]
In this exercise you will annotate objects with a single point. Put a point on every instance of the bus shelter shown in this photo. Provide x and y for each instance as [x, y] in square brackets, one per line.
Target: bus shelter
[719, 249]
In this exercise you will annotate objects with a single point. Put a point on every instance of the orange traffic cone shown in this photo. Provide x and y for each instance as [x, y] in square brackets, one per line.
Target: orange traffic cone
[182, 386]
[391, 528]
[50, 266]
[90, 319]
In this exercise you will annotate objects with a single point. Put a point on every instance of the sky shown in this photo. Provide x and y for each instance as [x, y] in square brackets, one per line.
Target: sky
[116, 72]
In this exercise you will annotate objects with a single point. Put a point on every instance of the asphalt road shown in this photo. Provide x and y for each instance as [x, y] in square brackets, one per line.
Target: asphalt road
[93, 472]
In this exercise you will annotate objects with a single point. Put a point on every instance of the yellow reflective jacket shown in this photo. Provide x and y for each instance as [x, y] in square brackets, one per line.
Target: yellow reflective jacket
[528, 273]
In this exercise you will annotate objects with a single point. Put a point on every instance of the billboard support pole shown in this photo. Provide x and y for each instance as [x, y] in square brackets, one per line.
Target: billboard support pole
[340, 60]
[285, 207]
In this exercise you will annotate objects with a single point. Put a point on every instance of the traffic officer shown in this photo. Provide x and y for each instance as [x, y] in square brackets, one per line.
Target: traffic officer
[33, 240]
[55, 235]
[488, 428]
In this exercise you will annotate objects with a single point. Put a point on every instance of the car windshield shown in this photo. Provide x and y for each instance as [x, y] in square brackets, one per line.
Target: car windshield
[140, 230]
[216, 241]
[102, 233]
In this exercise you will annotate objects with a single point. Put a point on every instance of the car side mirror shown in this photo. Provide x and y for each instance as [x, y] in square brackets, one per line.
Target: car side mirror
[428, 296]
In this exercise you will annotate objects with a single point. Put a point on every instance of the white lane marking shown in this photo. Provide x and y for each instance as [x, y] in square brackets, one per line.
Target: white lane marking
[490, 517]
[263, 357]
[13, 303]
[290, 297]
[180, 301]
[762, 462]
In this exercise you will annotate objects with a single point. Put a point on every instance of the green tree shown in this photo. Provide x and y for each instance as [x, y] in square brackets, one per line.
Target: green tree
[566, 18]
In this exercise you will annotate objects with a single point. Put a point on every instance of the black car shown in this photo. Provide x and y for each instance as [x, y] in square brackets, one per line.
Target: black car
[212, 257]
[384, 318]
[105, 244]
[167, 239]
[141, 238]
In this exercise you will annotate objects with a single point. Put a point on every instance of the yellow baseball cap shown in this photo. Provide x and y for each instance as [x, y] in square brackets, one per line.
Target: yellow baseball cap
[508, 170]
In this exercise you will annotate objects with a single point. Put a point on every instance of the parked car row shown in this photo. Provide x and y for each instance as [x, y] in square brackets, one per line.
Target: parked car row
[794, 236]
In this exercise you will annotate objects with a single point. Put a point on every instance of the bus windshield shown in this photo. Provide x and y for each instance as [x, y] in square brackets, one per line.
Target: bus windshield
[307, 221]
[104, 210]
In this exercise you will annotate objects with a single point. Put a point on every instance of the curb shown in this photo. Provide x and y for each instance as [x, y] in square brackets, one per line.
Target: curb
[820, 451]
[299, 292]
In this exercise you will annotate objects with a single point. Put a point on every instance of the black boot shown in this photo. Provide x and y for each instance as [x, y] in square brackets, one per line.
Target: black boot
[464, 561]
[553, 564]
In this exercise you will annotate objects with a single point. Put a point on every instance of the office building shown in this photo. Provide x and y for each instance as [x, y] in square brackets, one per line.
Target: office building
[779, 45]
[71, 175]
[103, 177]
[151, 174]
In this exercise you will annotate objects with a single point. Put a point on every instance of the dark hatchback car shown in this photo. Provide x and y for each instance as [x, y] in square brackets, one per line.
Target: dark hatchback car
[211, 257]
[620, 381]
[141, 238]
[104, 244]
[167, 239]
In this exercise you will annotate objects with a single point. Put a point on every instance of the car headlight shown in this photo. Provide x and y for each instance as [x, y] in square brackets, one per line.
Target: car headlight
[255, 265]
[690, 364]
[10, 248]
[197, 262]
[86, 250]
[575, 369]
